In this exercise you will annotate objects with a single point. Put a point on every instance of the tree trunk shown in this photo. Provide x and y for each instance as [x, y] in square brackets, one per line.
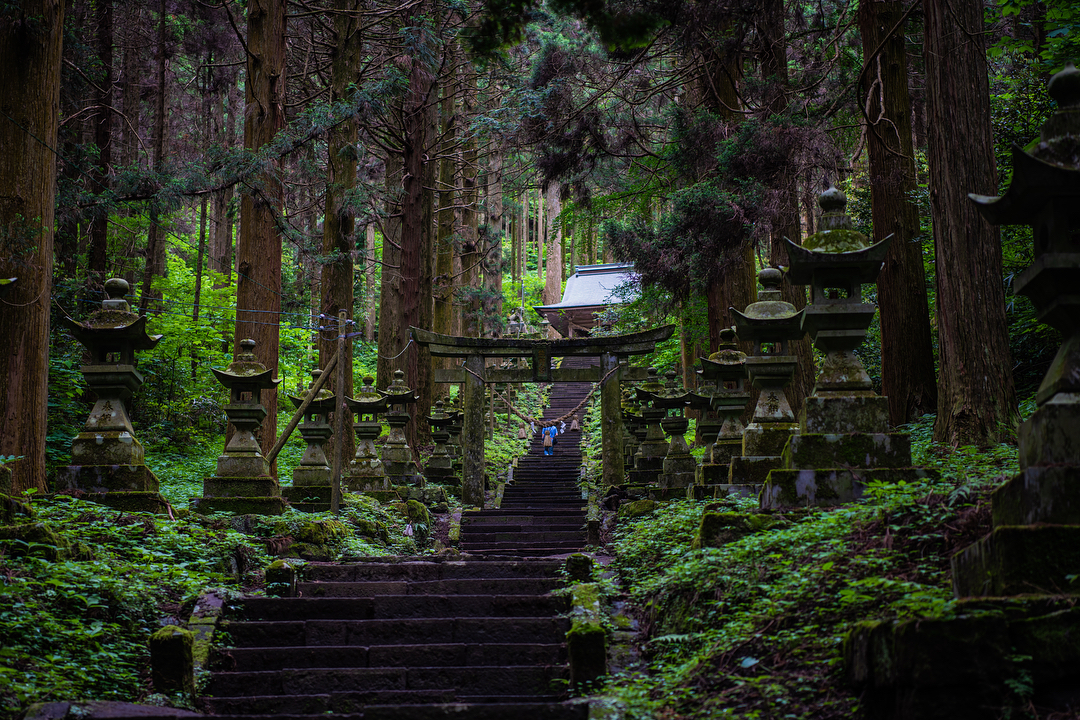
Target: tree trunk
[553, 269]
[258, 251]
[221, 243]
[132, 86]
[391, 304]
[99, 232]
[493, 259]
[339, 221]
[443, 282]
[369, 284]
[907, 354]
[976, 395]
[30, 56]
[155, 245]
[470, 215]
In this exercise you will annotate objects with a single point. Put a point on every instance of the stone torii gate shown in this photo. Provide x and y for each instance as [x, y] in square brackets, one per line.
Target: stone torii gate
[474, 374]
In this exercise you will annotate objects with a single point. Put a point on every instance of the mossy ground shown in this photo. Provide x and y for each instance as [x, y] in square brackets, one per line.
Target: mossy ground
[754, 628]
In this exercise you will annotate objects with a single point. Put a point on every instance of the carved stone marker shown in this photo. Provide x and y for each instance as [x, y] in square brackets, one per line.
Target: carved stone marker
[311, 488]
[844, 440]
[108, 463]
[366, 472]
[242, 483]
[771, 324]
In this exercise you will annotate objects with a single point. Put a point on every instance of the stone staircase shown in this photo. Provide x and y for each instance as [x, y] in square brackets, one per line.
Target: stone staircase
[392, 638]
[542, 513]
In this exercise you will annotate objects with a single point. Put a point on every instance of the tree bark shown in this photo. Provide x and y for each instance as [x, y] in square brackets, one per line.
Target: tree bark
[470, 215]
[258, 251]
[976, 394]
[553, 269]
[339, 223]
[155, 245]
[493, 259]
[907, 353]
[31, 39]
[99, 232]
[391, 305]
[221, 243]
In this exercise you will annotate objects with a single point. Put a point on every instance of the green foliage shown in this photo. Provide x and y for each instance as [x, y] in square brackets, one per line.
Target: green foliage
[737, 631]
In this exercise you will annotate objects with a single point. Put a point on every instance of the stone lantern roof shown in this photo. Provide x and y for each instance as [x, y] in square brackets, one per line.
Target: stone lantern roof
[113, 328]
[770, 319]
[245, 372]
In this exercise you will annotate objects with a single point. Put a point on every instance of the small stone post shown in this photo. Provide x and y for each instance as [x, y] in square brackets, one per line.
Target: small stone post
[472, 434]
[397, 456]
[310, 491]
[611, 428]
[366, 472]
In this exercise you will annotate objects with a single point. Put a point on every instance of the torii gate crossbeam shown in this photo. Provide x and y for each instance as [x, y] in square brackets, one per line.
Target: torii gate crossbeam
[474, 374]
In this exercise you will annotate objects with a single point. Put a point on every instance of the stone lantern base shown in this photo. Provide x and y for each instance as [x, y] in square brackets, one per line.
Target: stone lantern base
[240, 495]
[132, 488]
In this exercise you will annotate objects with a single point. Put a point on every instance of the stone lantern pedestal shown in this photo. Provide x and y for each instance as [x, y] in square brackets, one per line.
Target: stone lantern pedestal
[312, 488]
[397, 456]
[108, 463]
[649, 461]
[726, 368]
[771, 324]
[440, 467]
[242, 483]
[680, 467]
[366, 473]
[844, 439]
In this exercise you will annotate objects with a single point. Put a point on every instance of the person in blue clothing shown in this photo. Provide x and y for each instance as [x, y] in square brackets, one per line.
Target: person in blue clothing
[549, 434]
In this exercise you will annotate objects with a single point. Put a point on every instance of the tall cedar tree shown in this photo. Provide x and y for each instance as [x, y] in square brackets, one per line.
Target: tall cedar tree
[907, 353]
[976, 395]
[258, 251]
[339, 224]
[31, 39]
[99, 230]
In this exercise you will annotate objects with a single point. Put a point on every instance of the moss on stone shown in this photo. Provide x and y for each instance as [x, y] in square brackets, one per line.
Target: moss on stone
[720, 528]
[41, 540]
[839, 240]
[638, 508]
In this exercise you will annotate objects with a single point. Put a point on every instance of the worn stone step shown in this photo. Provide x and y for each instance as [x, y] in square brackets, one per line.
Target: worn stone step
[538, 513]
[530, 536]
[406, 631]
[519, 680]
[458, 711]
[398, 606]
[486, 527]
[538, 552]
[427, 571]
[319, 704]
[454, 586]
[394, 655]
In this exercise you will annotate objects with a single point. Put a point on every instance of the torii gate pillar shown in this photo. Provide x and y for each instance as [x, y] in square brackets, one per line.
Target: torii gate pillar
[472, 433]
[611, 424]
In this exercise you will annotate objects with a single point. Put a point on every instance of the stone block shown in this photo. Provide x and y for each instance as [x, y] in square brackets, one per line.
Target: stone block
[930, 669]
[676, 481]
[721, 452]
[151, 502]
[753, 470]
[1051, 436]
[719, 528]
[680, 464]
[106, 447]
[7, 481]
[106, 478]
[1052, 641]
[726, 490]
[363, 484]
[217, 486]
[308, 475]
[14, 509]
[307, 494]
[1014, 560]
[855, 450]
[172, 660]
[845, 414]
[637, 509]
[710, 474]
[767, 438]
[644, 478]
[274, 505]
[1039, 495]
[242, 466]
[823, 488]
[580, 567]
[280, 579]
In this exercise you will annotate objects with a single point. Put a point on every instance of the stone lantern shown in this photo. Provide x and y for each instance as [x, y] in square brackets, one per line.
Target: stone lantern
[312, 478]
[844, 439]
[366, 473]
[680, 467]
[1039, 509]
[726, 368]
[631, 422]
[107, 462]
[440, 467]
[649, 461]
[397, 456]
[771, 324]
[243, 483]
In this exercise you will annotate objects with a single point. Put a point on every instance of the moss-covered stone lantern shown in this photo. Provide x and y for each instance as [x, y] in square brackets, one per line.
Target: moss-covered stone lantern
[108, 463]
[771, 324]
[243, 483]
[726, 369]
[397, 456]
[680, 467]
[440, 467]
[366, 472]
[844, 439]
[649, 461]
[1045, 194]
[312, 479]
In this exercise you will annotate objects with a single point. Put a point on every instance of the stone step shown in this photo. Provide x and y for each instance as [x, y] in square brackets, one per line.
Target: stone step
[475, 538]
[406, 631]
[423, 654]
[388, 607]
[540, 552]
[525, 679]
[317, 705]
[538, 513]
[550, 525]
[459, 711]
[454, 586]
[427, 571]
